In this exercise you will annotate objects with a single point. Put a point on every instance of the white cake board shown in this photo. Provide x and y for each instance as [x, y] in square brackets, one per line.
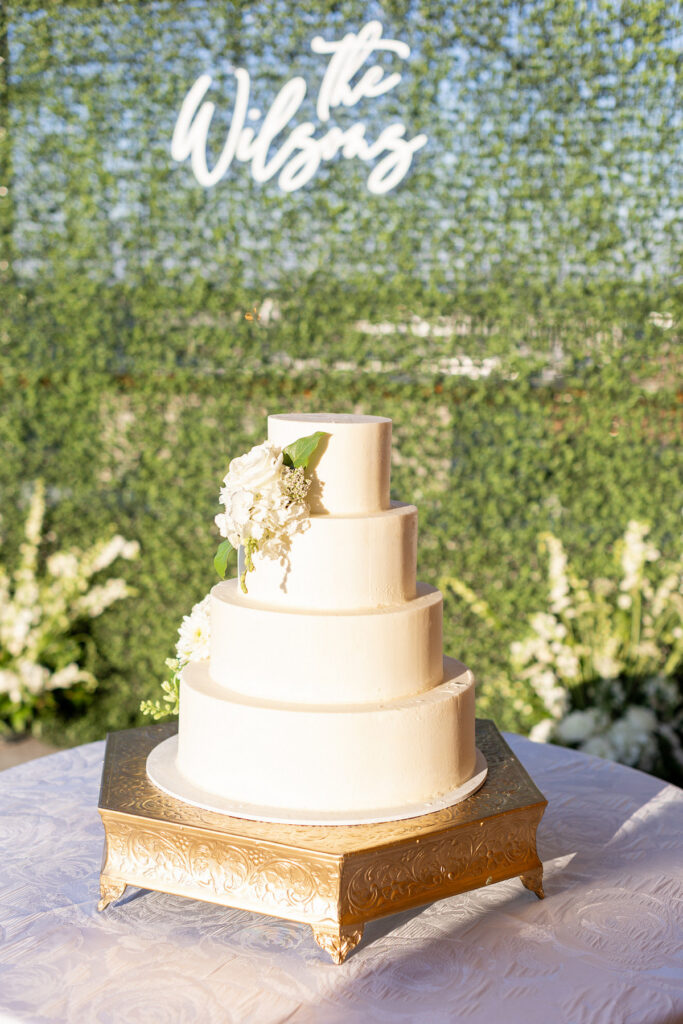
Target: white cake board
[162, 771]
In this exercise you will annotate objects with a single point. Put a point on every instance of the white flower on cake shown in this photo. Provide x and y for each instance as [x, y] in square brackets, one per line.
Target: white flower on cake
[194, 634]
[264, 496]
[257, 471]
[194, 641]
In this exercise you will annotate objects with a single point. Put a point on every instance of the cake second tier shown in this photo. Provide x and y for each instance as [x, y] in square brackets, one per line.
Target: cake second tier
[343, 562]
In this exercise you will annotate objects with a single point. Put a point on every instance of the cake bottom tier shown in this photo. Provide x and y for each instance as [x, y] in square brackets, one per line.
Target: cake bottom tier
[328, 759]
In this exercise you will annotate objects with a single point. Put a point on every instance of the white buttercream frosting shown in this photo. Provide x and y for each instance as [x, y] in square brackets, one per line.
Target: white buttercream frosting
[345, 758]
[343, 562]
[351, 470]
[379, 654]
[326, 690]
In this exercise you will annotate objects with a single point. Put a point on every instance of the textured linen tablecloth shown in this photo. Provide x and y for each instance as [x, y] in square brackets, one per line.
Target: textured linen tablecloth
[604, 946]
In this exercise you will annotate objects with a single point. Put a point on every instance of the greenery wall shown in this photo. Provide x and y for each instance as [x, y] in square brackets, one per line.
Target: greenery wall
[498, 304]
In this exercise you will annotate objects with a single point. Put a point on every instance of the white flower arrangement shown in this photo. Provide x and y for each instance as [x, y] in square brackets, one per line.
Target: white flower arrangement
[194, 638]
[40, 649]
[264, 496]
[604, 662]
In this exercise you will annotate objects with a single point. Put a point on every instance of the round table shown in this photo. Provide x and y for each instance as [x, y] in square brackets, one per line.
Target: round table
[604, 947]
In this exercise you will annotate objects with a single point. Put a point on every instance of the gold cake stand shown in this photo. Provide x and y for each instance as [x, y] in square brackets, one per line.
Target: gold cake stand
[336, 877]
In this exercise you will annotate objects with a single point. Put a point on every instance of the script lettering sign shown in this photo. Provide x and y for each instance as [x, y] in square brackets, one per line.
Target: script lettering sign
[292, 151]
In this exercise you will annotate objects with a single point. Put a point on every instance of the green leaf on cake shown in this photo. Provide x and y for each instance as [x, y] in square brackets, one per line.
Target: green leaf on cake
[299, 453]
[220, 561]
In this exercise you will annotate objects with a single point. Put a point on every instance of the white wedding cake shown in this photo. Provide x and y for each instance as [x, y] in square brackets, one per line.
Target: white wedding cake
[326, 696]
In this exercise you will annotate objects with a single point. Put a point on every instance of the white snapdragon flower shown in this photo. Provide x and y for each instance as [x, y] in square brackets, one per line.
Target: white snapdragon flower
[567, 663]
[34, 521]
[636, 552]
[38, 609]
[97, 599]
[102, 555]
[554, 696]
[194, 634]
[15, 627]
[670, 586]
[533, 648]
[605, 660]
[34, 677]
[548, 626]
[68, 676]
[63, 565]
[557, 574]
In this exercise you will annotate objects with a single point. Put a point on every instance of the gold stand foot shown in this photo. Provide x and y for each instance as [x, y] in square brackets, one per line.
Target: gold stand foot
[337, 939]
[533, 880]
[109, 890]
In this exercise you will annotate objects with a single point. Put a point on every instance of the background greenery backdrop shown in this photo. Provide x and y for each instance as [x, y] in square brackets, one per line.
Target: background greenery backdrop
[498, 304]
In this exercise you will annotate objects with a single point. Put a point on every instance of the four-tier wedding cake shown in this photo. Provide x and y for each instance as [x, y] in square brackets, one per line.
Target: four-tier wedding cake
[326, 696]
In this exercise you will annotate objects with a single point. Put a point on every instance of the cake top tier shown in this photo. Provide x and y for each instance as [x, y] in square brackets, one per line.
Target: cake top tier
[351, 469]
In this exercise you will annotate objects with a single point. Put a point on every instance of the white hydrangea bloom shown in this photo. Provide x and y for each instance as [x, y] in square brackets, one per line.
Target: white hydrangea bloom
[599, 746]
[264, 502]
[661, 692]
[579, 726]
[633, 736]
[543, 731]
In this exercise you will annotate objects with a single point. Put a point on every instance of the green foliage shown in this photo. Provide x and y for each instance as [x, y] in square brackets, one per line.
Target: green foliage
[498, 305]
[169, 703]
[299, 453]
[220, 559]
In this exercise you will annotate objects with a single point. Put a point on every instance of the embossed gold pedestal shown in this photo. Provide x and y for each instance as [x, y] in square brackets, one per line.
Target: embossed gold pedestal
[335, 878]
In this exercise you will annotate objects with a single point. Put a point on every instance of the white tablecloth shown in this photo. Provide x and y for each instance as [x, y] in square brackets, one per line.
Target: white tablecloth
[604, 947]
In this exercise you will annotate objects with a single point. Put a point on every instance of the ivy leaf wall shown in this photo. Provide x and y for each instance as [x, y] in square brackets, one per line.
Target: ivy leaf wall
[498, 304]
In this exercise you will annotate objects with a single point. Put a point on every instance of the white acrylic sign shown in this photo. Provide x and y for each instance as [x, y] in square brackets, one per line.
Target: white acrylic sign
[296, 157]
